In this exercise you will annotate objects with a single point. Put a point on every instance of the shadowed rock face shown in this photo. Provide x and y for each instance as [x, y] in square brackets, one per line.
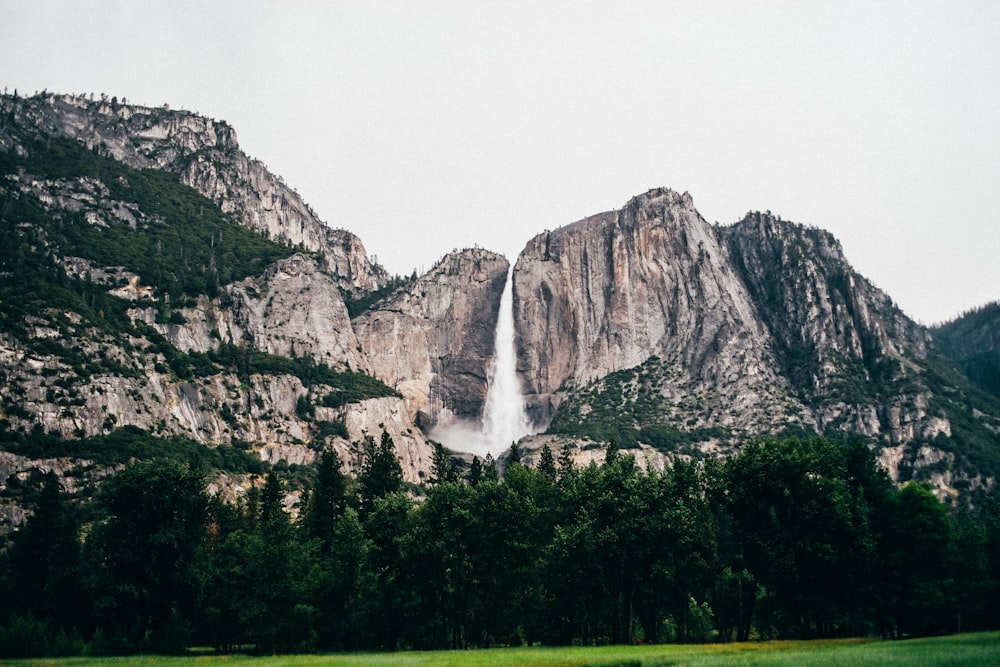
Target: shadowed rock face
[433, 340]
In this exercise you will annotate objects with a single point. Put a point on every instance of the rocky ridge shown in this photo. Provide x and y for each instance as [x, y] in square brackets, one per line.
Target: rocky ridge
[206, 155]
[294, 309]
[702, 335]
[686, 337]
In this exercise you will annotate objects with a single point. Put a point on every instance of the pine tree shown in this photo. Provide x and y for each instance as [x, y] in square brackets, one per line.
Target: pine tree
[381, 473]
[442, 470]
[475, 471]
[327, 500]
[547, 463]
[565, 461]
[271, 498]
[514, 458]
[490, 471]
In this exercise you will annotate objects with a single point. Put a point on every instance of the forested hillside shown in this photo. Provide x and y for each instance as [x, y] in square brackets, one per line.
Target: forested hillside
[138, 319]
[973, 340]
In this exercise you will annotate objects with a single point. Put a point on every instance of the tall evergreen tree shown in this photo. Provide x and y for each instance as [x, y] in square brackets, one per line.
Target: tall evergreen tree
[475, 471]
[45, 563]
[380, 474]
[514, 456]
[490, 471]
[149, 548]
[565, 464]
[547, 463]
[327, 500]
[442, 468]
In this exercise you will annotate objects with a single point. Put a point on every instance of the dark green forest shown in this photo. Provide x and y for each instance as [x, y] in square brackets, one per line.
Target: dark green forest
[792, 538]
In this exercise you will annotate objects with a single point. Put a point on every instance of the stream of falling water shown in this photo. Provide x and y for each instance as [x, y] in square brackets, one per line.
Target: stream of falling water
[504, 418]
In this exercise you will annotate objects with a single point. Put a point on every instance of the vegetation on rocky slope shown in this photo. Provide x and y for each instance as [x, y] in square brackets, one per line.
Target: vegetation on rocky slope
[973, 340]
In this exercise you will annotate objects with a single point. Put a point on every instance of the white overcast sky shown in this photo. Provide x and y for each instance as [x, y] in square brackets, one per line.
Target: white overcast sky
[428, 126]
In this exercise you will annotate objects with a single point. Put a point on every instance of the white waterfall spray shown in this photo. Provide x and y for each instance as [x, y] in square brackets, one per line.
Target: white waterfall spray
[504, 419]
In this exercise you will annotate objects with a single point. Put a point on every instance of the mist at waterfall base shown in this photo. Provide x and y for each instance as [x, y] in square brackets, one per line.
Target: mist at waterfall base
[504, 419]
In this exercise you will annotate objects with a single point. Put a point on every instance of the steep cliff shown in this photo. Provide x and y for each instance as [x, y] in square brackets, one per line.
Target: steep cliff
[611, 291]
[433, 339]
[131, 301]
[155, 277]
[205, 154]
[847, 351]
[651, 327]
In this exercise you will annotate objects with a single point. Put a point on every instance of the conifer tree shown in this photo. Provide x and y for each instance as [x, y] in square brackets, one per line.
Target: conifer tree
[475, 471]
[327, 500]
[547, 463]
[565, 461]
[380, 474]
[490, 471]
[442, 470]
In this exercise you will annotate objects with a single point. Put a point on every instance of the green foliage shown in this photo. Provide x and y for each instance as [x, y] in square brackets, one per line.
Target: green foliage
[345, 386]
[974, 416]
[182, 243]
[443, 468]
[971, 341]
[149, 546]
[626, 407]
[27, 637]
[34, 283]
[330, 429]
[361, 304]
[126, 444]
[381, 474]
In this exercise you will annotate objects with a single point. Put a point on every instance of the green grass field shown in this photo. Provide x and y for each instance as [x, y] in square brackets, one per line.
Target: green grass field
[968, 649]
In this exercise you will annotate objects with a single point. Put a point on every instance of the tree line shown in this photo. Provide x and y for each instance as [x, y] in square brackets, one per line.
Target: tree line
[793, 538]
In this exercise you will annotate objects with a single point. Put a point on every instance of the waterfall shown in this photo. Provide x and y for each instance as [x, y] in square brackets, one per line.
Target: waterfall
[504, 417]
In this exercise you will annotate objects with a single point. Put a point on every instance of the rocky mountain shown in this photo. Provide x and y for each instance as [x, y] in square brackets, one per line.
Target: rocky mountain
[161, 291]
[205, 155]
[155, 278]
[651, 326]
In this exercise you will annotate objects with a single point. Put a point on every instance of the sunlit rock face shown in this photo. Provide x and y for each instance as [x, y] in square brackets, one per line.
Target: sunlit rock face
[433, 340]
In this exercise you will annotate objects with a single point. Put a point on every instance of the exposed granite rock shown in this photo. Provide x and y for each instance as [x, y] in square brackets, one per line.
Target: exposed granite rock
[611, 291]
[433, 339]
[838, 339]
[370, 418]
[750, 328]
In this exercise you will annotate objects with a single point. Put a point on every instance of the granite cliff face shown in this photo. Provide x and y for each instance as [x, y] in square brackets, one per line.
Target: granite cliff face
[651, 322]
[847, 351]
[611, 291]
[267, 362]
[433, 339]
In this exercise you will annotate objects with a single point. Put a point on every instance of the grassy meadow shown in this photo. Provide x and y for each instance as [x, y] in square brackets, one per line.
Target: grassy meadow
[966, 649]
